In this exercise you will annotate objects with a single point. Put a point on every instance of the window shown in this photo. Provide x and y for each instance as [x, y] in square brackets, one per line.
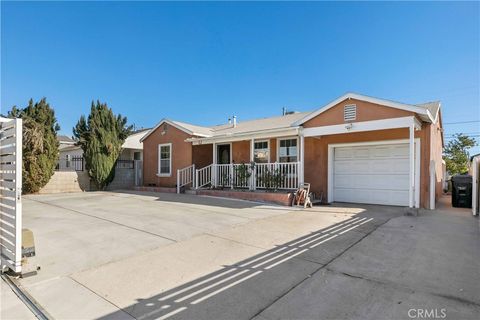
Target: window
[350, 112]
[137, 155]
[287, 151]
[165, 159]
[261, 153]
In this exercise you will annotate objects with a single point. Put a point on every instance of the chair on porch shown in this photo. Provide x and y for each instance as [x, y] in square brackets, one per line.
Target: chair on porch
[302, 195]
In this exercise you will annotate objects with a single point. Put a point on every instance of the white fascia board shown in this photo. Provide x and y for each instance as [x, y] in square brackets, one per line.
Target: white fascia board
[383, 102]
[263, 134]
[392, 123]
[174, 125]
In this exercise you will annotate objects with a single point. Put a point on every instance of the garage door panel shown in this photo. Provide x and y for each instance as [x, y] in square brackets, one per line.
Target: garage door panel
[367, 167]
[364, 196]
[361, 153]
[400, 151]
[381, 152]
[372, 182]
[343, 154]
[371, 174]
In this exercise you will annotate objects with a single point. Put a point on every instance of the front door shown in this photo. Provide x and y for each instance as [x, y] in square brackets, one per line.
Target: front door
[223, 154]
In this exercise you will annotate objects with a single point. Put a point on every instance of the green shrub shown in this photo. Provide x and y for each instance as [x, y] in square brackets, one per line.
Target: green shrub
[101, 137]
[40, 145]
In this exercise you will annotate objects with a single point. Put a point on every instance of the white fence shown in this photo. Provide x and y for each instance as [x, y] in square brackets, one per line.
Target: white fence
[11, 194]
[271, 176]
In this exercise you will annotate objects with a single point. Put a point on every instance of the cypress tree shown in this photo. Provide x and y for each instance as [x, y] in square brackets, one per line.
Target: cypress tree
[101, 136]
[40, 144]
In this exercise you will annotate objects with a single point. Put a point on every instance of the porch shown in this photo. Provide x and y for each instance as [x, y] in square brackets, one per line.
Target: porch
[269, 162]
[245, 176]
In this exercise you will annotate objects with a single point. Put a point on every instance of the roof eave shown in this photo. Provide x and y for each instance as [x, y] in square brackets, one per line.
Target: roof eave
[356, 96]
[172, 123]
[242, 135]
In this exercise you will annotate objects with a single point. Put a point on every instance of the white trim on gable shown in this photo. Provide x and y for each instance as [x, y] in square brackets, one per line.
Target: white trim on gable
[372, 125]
[173, 124]
[407, 107]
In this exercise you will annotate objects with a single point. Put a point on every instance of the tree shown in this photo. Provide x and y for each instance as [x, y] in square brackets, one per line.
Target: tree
[456, 154]
[40, 144]
[101, 137]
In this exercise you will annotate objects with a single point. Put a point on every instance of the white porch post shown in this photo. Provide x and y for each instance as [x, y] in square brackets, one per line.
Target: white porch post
[411, 189]
[432, 184]
[214, 167]
[194, 180]
[178, 180]
[253, 180]
[301, 177]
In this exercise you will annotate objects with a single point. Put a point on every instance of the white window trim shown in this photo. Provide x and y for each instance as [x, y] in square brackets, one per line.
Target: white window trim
[287, 138]
[171, 156]
[268, 148]
[418, 169]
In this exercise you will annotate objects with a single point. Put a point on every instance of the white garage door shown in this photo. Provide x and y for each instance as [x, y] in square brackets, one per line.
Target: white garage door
[375, 174]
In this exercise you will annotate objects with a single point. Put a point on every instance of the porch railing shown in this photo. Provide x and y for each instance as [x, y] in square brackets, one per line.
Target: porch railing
[185, 176]
[252, 176]
[203, 177]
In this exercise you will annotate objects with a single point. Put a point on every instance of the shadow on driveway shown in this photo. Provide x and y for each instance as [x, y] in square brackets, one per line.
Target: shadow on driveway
[244, 289]
[203, 200]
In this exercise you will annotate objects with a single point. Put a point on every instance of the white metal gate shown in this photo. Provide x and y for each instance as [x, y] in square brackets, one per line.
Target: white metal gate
[10, 194]
[138, 166]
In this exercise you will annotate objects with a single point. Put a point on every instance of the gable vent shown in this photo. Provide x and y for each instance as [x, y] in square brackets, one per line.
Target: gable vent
[350, 112]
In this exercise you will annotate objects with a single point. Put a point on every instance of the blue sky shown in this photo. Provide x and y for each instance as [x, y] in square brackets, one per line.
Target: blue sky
[202, 62]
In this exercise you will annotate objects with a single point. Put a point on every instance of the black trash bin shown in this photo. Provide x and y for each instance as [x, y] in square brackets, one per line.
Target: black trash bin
[462, 191]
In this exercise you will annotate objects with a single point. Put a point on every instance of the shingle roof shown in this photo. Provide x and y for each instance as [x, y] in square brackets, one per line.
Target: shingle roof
[295, 119]
[63, 138]
[432, 106]
[271, 123]
[133, 140]
[194, 128]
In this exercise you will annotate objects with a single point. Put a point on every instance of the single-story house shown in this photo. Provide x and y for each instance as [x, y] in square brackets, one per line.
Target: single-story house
[69, 152]
[355, 149]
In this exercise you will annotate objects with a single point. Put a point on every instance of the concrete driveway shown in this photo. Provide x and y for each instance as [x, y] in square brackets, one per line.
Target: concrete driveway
[158, 256]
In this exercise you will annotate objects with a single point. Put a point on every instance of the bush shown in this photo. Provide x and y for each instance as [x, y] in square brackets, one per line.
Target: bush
[101, 137]
[40, 145]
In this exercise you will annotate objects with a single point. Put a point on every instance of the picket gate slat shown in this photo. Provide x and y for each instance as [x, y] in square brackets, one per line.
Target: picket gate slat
[10, 194]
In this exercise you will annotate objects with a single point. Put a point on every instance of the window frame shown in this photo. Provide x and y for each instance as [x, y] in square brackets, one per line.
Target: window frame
[268, 148]
[159, 174]
[288, 138]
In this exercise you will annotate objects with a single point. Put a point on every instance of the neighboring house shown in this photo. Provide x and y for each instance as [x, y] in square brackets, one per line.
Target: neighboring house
[132, 148]
[69, 153]
[356, 149]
